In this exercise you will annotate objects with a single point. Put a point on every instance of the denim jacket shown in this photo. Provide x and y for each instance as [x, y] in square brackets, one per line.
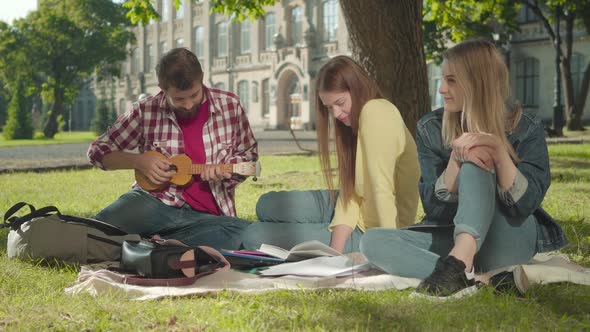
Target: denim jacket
[528, 140]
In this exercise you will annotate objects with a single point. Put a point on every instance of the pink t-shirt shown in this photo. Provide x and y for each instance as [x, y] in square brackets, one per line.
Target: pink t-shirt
[198, 194]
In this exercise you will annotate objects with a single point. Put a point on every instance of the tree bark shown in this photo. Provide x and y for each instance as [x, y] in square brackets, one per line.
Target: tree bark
[51, 127]
[386, 38]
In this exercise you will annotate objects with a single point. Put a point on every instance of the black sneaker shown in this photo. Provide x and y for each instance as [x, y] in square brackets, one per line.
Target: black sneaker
[448, 278]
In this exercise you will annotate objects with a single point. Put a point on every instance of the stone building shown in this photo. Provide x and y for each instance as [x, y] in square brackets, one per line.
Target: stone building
[271, 63]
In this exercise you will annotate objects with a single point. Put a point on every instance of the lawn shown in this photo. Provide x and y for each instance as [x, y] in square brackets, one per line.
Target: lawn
[61, 137]
[32, 296]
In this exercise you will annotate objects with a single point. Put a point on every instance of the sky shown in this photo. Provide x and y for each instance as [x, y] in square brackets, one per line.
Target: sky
[12, 9]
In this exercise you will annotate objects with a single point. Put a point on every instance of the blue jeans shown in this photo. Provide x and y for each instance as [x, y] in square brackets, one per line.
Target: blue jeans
[288, 218]
[501, 240]
[137, 212]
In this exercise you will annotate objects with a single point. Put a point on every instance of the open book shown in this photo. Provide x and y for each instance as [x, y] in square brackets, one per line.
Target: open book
[304, 250]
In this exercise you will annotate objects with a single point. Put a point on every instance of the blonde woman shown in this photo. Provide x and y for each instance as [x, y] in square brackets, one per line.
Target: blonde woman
[377, 169]
[485, 172]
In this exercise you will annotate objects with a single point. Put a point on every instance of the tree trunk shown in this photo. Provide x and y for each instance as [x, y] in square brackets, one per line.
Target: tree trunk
[51, 126]
[386, 38]
[574, 120]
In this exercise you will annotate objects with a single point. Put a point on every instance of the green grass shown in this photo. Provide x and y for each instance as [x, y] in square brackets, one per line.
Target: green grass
[61, 137]
[32, 296]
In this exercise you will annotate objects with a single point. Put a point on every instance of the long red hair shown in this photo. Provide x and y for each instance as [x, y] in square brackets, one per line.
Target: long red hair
[342, 74]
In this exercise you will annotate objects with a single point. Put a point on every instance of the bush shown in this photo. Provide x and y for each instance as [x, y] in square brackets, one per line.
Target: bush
[102, 118]
[20, 123]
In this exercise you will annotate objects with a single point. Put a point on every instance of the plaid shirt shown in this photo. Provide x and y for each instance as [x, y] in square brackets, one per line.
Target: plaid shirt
[152, 126]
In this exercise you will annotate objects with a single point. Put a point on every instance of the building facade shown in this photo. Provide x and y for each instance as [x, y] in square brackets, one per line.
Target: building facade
[271, 63]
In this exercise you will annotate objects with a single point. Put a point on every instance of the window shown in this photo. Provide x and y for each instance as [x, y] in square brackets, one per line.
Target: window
[221, 39]
[255, 92]
[199, 42]
[122, 106]
[163, 48]
[526, 15]
[577, 65]
[266, 97]
[330, 20]
[165, 10]
[269, 30]
[180, 10]
[245, 37]
[527, 82]
[244, 95]
[296, 26]
[220, 85]
[434, 82]
[135, 61]
[149, 56]
[179, 42]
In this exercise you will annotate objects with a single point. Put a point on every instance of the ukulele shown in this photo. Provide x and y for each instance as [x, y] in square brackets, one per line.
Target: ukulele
[184, 169]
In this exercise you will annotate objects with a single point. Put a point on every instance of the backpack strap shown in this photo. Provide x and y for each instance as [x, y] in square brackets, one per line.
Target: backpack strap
[15, 222]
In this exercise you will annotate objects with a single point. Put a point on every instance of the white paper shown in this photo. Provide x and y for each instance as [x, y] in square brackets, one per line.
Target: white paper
[321, 266]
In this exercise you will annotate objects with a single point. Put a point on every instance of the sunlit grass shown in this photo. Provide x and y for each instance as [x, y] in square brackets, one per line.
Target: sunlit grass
[32, 296]
[61, 137]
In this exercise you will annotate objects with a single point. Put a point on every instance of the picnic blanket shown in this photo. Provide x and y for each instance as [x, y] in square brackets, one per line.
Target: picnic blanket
[97, 280]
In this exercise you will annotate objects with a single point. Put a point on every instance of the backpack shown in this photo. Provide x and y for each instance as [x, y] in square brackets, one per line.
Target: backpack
[48, 234]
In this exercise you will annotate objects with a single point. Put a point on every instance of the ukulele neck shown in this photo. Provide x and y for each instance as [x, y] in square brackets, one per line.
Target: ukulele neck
[199, 168]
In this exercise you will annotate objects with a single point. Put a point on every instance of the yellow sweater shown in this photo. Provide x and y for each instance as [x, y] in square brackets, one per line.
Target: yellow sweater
[387, 172]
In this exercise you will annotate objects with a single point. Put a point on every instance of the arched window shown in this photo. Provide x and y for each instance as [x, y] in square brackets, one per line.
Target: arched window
[434, 82]
[265, 97]
[244, 94]
[527, 82]
[179, 42]
[199, 42]
[219, 85]
[269, 30]
[135, 61]
[330, 11]
[180, 10]
[296, 26]
[577, 65]
[149, 58]
[165, 10]
[221, 39]
[245, 37]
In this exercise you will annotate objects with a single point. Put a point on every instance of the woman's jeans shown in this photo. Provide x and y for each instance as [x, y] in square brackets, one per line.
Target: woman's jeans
[137, 212]
[501, 240]
[288, 218]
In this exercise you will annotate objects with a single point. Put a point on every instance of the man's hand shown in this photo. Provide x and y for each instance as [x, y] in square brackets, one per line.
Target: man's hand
[212, 173]
[156, 169]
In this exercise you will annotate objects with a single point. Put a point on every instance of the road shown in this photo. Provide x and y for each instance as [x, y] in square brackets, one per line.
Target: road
[58, 156]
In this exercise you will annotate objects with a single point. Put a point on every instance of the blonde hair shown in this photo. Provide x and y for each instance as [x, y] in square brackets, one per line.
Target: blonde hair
[482, 77]
[342, 74]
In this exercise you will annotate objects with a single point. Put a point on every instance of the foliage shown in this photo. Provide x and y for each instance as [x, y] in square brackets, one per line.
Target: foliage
[62, 43]
[33, 297]
[39, 139]
[456, 21]
[3, 103]
[143, 11]
[102, 117]
[19, 124]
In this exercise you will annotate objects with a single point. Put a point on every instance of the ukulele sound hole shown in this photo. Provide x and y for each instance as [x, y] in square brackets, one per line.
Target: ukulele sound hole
[173, 168]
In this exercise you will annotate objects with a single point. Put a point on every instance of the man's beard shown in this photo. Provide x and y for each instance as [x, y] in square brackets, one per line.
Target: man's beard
[185, 113]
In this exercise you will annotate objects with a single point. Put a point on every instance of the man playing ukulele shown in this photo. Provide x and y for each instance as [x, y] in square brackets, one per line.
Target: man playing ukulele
[186, 117]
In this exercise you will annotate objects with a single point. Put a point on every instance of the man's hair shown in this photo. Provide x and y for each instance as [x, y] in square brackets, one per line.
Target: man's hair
[179, 68]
